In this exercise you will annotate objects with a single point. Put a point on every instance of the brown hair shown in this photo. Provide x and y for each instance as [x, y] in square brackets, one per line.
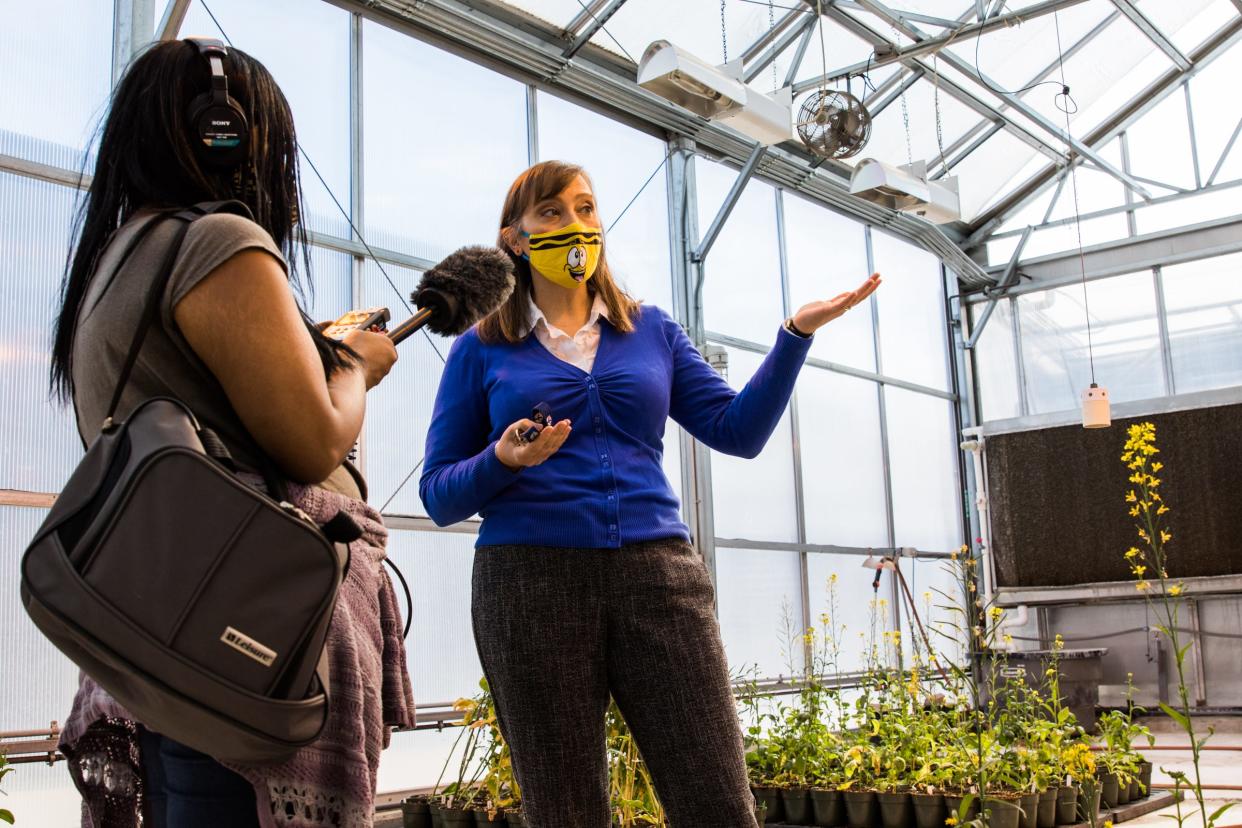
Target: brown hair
[511, 321]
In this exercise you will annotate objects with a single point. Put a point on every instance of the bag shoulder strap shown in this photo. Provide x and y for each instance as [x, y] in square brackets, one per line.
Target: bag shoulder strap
[186, 217]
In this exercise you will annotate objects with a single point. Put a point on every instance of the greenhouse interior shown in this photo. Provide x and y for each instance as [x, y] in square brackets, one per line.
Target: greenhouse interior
[930, 566]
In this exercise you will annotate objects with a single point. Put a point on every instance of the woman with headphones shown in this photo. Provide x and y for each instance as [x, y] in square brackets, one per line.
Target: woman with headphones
[192, 122]
[585, 582]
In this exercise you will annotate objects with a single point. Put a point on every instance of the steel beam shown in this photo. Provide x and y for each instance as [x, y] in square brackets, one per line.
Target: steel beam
[597, 22]
[1125, 116]
[772, 34]
[1225, 154]
[894, 95]
[753, 70]
[928, 45]
[798, 55]
[1010, 275]
[1152, 32]
[730, 201]
[945, 166]
[584, 16]
[170, 23]
[133, 26]
[1020, 106]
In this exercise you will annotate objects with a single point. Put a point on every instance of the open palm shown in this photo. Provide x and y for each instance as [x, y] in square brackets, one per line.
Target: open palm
[814, 315]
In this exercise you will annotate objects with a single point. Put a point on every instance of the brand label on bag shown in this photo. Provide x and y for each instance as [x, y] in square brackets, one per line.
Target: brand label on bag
[246, 645]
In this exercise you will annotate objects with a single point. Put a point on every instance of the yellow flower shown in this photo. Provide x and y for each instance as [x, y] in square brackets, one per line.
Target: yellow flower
[1007, 638]
[952, 820]
[1175, 589]
[1165, 537]
[1134, 511]
[996, 613]
[1131, 497]
[832, 579]
[1142, 586]
[1058, 643]
[1155, 467]
[1139, 570]
[1162, 509]
[1132, 552]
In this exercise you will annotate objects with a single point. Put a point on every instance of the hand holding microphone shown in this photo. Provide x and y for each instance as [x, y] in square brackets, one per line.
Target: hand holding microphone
[378, 353]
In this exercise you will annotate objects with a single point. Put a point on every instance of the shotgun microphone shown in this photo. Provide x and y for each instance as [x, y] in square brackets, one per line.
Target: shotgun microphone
[459, 291]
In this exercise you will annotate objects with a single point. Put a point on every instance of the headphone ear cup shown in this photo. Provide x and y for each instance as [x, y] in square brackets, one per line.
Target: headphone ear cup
[220, 131]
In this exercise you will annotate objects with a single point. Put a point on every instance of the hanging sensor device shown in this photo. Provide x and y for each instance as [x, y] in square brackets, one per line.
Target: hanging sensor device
[358, 320]
[542, 414]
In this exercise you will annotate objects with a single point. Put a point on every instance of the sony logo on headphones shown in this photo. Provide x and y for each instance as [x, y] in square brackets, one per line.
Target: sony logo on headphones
[221, 123]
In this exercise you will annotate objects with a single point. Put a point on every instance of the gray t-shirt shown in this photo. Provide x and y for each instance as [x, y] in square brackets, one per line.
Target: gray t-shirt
[167, 365]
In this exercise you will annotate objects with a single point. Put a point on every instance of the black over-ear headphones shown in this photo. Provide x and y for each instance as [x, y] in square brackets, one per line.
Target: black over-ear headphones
[221, 130]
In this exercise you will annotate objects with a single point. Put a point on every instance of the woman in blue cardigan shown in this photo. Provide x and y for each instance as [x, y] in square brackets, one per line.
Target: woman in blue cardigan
[585, 582]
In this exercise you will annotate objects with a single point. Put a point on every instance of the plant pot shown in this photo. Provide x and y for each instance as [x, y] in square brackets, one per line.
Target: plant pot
[770, 797]
[953, 804]
[1089, 805]
[1046, 813]
[1108, 790]
[1136, 790]
[1067, 805]
[895, 809]
[1028, 803]
[415, 814]
[928, 810]
[797, 805]
[1003, 813]
[456, 817]
[860, 808]
[434, 809]
[481, 818]
[1145, 777]
[1123, 793]
[828, 808]
[516, 818]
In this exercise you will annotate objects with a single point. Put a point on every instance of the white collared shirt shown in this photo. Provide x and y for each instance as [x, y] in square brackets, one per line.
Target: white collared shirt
[579, 349]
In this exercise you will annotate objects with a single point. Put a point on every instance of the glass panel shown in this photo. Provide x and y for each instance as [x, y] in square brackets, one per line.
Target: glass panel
[436, 173]
[1187, 24]
[742, 292]
[918, 125]
[993, 170]
[1214, 124]
[922, 450]
[1064, 237]
[856, 616]
[842, 460]
[619, 161]
[1209, 206]
[1124, 333]
[329, 292]
[933, 586]
[826, 254]
[913, 334]
[996, 371]
[1160, 144]
[755, 590]
[743, 509]
[41, 445]
[399, 409]
[1203, 301]
[282, 34]
[37, 684]
[693, 25]
[51, 106]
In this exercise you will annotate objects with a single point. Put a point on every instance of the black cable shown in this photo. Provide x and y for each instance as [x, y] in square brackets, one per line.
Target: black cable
[617, 220]
[409, 602]
[605, 29]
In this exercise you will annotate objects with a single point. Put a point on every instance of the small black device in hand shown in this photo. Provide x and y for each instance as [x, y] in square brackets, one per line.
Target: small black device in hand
[358, 320]
[542, 415]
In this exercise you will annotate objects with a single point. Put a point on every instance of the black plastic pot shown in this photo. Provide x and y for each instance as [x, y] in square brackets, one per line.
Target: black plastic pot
[771, 797]
[1108, 790]
[828, 808]
[456, 818]
[1046, 813]
[895, 809]
[953, 804]
[1136, 790]
[1003, 813]
[1145, 777]
[516, 819]
[415, 814]
[1089, 806]
[797, 804]
[1067, 805]
[434, 808]
[860, 808]
[1123, 793]
[928, 810]
[481, 818]
[1029, 803]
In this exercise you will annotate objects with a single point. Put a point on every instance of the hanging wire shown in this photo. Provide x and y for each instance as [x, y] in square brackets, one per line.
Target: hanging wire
[771, 26]
[586, 9]
[823, 51]
[724, 36]
[944, 162]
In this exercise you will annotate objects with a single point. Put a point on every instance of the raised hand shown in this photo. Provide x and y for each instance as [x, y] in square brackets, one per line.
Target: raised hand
[814, 315]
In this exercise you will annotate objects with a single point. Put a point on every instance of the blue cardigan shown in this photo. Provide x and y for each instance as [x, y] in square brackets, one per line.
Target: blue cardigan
[605, 486]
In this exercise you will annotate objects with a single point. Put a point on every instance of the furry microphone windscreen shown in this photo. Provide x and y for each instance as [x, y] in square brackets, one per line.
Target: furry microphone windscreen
[464, 287]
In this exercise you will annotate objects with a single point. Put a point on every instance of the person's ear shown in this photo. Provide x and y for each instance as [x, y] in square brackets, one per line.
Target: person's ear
[512, 241]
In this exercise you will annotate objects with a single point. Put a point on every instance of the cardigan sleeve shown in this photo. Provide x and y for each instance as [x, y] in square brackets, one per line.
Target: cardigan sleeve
[461, 473]
[733, 422]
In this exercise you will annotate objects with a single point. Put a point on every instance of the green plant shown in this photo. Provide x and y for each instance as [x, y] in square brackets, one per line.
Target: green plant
[478, 721]
[1149, 563]
[5, 814]
[632, 794]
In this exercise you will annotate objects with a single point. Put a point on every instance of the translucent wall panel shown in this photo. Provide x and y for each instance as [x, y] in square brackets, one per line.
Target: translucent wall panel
[934, 588]
[913, 342]
[927, 495]
[306, 48]
[37, 684]
[328, 292]
[443, 139]
[41, 443]
[1203, 301]
[1124, 332]
[826, 254]
[1160, 143]
[619, 161]
[753, 589]
[742, 292]
[842, 461]
[754, 499]
[996, 370]
[51, 105]
[399, 408]
[416, 759]
[855, 615]
[1064, 237]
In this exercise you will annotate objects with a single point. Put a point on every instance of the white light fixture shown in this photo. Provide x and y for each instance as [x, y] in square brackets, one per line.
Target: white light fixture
[1095, 407]
[716, 92]
[907, 189]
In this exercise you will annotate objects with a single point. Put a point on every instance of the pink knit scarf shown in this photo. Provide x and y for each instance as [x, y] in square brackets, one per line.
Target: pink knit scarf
[328, 783]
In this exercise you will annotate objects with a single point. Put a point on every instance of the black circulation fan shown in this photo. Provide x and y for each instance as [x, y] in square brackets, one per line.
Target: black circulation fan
[833, 124]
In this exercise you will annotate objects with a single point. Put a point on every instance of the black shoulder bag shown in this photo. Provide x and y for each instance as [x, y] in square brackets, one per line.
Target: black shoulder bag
[198, 602]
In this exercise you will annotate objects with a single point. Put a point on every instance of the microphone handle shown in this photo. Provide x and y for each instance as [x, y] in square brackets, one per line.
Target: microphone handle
[411, 325]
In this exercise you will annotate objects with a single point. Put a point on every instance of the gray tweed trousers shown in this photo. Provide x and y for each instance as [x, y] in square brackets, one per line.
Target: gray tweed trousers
[559, 630]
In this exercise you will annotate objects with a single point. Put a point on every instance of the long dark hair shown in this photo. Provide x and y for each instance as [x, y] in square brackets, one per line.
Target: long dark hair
[511, 321]
[147, 159]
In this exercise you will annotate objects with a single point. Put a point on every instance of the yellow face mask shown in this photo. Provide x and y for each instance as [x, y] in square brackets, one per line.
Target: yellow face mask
[567, 256]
